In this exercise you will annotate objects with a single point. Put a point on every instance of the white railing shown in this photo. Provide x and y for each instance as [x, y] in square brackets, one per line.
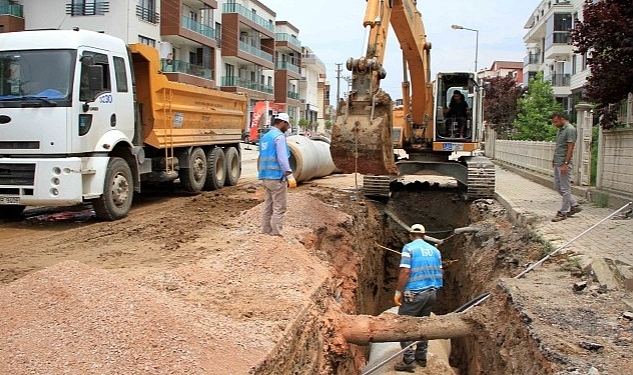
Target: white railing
[615, 158]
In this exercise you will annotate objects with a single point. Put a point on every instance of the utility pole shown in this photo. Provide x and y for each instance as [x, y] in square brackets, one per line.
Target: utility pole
[338, 81]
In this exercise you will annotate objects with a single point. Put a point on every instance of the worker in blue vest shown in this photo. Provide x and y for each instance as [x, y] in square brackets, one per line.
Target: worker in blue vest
[276, 175]
[419, 279]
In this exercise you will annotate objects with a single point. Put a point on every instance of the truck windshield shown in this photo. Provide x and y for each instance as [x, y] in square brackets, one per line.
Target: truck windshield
[38, 76]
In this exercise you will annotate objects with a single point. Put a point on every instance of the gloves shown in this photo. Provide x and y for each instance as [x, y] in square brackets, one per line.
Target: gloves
[292, 183]
[397, 298]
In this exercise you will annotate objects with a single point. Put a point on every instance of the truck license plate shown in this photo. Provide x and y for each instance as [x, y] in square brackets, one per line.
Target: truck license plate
[9, 200]
[446, 146]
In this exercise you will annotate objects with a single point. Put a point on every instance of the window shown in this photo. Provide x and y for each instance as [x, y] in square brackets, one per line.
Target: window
[218, 33]
[97, 59]
[147, 41]
[148, 4]
[46, 74]
[146, 10]
[206, 16]
[87, 7]
[229, 70]
[120, 74]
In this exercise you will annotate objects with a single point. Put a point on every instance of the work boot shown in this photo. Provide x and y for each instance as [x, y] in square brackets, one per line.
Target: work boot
[421, 362]
[574, 210]
[402, 366]
[559, 217]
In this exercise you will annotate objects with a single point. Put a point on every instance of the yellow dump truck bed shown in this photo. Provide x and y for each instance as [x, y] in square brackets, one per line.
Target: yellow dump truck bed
[175, 114]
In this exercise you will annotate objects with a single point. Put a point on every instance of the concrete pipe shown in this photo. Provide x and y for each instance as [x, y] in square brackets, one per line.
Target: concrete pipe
[439, 352]
[310, 158]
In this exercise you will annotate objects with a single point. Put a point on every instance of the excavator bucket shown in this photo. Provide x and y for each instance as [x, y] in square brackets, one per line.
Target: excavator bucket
[361, 137]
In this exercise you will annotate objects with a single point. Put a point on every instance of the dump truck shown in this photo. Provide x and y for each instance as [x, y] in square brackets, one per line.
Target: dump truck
[85, 118]
[370, 133]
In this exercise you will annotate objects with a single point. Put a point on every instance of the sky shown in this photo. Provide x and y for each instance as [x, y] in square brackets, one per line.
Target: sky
[333, 29]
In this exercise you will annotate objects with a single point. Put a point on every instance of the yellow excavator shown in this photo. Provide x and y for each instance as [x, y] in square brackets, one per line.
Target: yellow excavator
[428, 133]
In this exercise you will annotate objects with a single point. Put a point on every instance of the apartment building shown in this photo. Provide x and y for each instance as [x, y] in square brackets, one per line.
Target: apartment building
[230, 45]
[512, 69]
[313, 88]
[288, 68]
[11, 16]
[549, 50]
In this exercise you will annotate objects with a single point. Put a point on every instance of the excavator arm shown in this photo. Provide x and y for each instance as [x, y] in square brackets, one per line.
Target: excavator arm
[362, 136]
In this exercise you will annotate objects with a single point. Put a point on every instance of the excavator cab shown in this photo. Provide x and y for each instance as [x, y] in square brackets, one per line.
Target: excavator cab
[456, 109]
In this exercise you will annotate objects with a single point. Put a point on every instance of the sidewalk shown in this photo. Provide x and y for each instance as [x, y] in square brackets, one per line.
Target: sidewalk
[533, 204]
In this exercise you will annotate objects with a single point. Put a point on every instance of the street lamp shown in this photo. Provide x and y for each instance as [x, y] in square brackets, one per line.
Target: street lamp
[457, 27]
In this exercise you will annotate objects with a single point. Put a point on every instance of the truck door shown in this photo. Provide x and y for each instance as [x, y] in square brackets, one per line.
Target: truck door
[104, 100]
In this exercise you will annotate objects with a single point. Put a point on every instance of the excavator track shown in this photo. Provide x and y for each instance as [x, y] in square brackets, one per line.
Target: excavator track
[481, 177]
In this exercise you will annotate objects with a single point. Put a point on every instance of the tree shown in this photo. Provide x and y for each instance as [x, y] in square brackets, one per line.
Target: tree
[535, 108]
[303, 124]
[500, 102]
[328, 125]
[606, 35]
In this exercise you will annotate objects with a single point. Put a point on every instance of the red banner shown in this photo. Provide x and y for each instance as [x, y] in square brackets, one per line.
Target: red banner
[261, 109]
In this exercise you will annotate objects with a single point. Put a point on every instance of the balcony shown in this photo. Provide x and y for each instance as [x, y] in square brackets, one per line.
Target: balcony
[233, 81]
[147, 14]
[179, 66]
[15, 10]
[531, 58]
[245, 12]
[293, 95]
[254, 50]
[559, 80]
[284, 65]
[285, 37]
[97, 8]
[197, 27]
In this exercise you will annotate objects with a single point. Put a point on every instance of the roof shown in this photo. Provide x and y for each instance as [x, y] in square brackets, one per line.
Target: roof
[507, 65]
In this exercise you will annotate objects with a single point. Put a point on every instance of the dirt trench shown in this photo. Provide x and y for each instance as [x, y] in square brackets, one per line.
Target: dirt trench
[473, 265]
[251, 303]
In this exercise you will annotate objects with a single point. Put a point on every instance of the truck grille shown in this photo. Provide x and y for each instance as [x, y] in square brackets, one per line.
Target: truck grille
[17, 174]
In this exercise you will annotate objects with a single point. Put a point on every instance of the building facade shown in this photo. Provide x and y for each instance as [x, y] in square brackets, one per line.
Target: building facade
[512, 69]
[230, 45]
[549, 50]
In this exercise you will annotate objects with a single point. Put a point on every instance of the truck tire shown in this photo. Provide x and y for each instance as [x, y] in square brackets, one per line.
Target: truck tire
[216, 165]
[233, 166]
[11, 211]
[194, 176]
[118, 191]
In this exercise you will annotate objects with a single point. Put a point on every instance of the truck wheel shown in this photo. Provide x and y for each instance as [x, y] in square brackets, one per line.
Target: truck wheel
[193, 177]
[233, 166]
[217, 169]
[11, 211]
[118, 191]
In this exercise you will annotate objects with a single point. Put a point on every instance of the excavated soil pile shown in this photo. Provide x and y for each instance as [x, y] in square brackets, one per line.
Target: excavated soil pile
[248, 305]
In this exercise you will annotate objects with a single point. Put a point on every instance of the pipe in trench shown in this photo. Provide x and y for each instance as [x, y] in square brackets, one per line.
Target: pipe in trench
[438, 354]
[310, 157]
